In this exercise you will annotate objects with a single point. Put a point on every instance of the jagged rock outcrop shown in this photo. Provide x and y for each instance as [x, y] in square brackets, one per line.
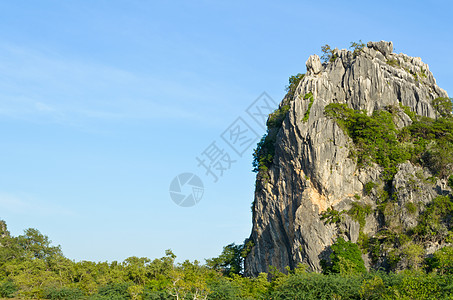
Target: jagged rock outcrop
[313, 170]
[3, 232]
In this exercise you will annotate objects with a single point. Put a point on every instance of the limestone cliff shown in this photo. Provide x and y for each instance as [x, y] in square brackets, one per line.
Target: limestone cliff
[312, 169]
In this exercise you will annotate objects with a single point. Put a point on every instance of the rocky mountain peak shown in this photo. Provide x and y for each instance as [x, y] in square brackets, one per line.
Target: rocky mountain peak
[319, 167]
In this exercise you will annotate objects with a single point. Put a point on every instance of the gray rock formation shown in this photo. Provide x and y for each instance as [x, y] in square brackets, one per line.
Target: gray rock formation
[312, 169]
[3, 231]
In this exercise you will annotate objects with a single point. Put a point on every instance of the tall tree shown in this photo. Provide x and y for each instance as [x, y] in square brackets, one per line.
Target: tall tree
[230, 261]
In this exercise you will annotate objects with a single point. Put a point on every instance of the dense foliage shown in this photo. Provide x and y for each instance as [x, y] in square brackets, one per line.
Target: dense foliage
[426, 141]
[31, 268]
[435, 222]
[345, 259]
[293, 84]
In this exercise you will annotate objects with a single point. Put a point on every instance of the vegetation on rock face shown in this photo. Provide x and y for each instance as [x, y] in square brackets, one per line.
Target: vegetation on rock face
[308, 96]
[328, 54]
[441, 261]
[263, 155]
[375, 137]
[435, 222]
[393, 62]
[331, 216]
[403, 249]
[369, 186]
[276, 118]
[293, 84]
[426, 141]
[359, 212]
[356, 47]
[444, 106]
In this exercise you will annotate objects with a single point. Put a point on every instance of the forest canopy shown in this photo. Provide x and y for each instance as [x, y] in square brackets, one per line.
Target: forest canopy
[32, 268]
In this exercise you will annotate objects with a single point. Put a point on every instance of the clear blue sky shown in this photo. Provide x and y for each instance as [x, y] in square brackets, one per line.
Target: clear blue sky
[102, 103]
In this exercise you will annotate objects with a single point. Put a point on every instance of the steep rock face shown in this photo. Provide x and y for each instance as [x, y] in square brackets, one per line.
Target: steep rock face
[313, 170]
